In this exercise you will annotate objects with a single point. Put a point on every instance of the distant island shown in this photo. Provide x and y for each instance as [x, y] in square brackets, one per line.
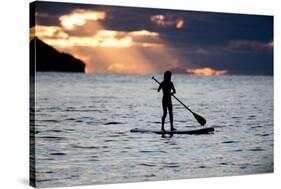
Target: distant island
[48, 58]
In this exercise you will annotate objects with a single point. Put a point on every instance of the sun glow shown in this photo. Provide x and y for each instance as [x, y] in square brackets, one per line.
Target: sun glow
[206, 71]
[82, 34]
[143, 33]
[56, 36]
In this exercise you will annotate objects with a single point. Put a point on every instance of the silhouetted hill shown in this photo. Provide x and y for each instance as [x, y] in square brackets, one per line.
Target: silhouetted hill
[48, 58]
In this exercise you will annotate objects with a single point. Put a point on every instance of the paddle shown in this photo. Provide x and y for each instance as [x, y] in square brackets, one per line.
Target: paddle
[199, 118]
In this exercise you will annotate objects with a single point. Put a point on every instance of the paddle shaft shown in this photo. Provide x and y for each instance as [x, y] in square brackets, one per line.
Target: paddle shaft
[175, 97]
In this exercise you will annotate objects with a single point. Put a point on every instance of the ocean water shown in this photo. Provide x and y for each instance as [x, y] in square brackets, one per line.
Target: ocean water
[83, 127]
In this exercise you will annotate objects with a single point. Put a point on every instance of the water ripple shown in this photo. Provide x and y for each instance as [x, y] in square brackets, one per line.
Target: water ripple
[256, 149]
[230, 141]
[113, 123]
[58, 154]
[52, 137]
[147, 165]
[85, 147]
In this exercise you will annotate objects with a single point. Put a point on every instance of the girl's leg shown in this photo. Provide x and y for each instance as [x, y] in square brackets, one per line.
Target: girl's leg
[164, 106]
[170, 108]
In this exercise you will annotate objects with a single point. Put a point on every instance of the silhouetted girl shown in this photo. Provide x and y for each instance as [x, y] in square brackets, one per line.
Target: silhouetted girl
[168, 89]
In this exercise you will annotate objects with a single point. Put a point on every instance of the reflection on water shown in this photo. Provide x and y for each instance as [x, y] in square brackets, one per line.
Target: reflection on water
[83, 123]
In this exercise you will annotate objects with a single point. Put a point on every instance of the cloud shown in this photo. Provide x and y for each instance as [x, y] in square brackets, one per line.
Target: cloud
[201, 51]
[56, 36]
[41, 15]
[79, 17]
[109, 51]
[206, 71]
[180, 24]
[51, 32]
[137, 40]
[83, 28]
[248, 46]
[143, 33]
[167, 21]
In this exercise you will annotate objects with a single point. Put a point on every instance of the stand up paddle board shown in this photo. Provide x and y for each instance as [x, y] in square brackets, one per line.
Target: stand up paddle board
[205, 130]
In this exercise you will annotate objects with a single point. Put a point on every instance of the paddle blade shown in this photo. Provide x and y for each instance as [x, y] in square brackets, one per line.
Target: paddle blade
[200, 119]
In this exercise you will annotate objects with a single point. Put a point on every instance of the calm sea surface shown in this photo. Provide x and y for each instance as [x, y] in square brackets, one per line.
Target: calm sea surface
[83, 127]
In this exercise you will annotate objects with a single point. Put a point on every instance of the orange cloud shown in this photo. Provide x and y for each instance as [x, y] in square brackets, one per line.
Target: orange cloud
[158, 19]
[112, 51]
[55, 36]
[206, 71]
[143, 33]
[107, 51]
[167, 20]
[79, 17]
[180, 23]
[52, 32]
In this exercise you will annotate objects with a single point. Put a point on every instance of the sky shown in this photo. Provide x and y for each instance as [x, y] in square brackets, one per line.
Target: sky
[112, 39]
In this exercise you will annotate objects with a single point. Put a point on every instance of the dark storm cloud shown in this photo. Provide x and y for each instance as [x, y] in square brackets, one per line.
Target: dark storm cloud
[240, 64]
[221, 28]
[238, 43]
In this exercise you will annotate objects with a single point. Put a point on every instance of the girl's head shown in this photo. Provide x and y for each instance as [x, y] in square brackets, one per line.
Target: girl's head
[167, 76]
